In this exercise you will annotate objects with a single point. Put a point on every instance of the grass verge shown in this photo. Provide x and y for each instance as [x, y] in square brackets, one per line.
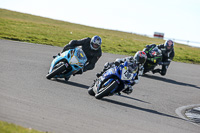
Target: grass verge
[35, 29]
[6, 127]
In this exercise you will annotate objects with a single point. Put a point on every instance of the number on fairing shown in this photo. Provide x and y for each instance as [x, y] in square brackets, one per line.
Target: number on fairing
[126, 75]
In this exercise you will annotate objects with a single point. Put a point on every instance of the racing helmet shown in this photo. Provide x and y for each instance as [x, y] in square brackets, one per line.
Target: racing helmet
[95, 42]
[140, 57]
[169, 44]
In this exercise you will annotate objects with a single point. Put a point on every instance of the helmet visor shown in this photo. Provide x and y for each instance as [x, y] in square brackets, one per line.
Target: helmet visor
[95, 46]
[169, 45]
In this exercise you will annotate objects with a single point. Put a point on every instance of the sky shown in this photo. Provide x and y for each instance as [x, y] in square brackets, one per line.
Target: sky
[177, 19]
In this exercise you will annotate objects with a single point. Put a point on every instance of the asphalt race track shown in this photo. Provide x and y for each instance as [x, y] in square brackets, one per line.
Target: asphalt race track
[28, 99]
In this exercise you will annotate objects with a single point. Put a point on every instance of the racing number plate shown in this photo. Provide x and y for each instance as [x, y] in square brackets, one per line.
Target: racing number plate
[126, 75]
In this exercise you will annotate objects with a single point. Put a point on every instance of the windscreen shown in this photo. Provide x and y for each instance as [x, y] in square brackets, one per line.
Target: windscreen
[81, 55]
[155, 52]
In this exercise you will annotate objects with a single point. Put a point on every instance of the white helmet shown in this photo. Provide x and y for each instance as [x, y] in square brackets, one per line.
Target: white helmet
[95, 42]
[169, 45]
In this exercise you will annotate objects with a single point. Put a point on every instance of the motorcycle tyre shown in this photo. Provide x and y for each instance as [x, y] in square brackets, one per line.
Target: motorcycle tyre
[56, 72]
[90, 90]
[106, 90]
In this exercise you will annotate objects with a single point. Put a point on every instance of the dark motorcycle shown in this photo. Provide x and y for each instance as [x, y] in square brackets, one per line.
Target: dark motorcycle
[154, 58]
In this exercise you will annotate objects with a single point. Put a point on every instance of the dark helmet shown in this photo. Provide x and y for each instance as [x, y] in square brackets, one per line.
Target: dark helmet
[140, 57]
[95, 42]
[169, 45]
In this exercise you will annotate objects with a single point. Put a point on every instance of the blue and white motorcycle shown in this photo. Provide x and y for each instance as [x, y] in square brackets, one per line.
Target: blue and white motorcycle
[112, 81]
[67, 64]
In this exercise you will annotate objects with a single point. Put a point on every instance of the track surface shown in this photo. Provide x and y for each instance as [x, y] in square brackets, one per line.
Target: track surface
[28, 99]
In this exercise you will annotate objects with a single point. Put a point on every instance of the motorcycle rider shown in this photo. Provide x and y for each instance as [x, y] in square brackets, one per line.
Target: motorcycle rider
[168, 53]
[136, 63]
[91, 48]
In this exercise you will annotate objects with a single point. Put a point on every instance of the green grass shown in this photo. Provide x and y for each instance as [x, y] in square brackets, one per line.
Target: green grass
[35, 29]
[6, 127]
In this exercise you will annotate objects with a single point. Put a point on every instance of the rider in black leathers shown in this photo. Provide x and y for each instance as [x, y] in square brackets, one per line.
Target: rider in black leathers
[91, 48]
[168, 53]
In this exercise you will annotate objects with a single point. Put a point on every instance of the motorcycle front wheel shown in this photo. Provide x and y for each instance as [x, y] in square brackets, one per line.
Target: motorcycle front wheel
[56, 71]
[90, 89]
[106, 90]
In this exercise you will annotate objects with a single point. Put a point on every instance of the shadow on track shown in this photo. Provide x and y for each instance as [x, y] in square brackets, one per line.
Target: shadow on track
[133, 99]
[72, 83]
[86, 87]
[139, 108]
[170, 81]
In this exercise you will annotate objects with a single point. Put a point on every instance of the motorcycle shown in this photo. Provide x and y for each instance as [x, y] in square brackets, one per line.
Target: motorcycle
[112, 81]
[154, 58]
[67, 64]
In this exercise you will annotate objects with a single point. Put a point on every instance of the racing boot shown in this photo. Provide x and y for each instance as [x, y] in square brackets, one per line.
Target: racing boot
[156, 71]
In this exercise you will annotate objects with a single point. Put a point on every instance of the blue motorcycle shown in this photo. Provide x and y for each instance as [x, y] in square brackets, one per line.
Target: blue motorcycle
[67, 64]
[112, 81]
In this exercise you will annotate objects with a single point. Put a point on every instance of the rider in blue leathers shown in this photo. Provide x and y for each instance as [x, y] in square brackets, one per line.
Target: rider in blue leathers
[136, 63]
